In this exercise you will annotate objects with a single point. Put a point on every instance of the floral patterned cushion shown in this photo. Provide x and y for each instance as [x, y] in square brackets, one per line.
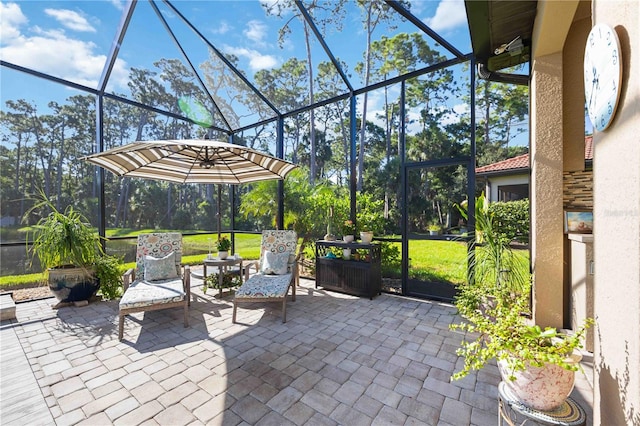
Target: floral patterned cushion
[158, 245]
[264, 286]
[146, 293]
[278, 241]
[275, 263]
[160, 268]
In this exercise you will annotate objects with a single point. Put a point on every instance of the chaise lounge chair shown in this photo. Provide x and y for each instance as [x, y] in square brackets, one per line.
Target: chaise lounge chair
[157, 281]
[276, 274]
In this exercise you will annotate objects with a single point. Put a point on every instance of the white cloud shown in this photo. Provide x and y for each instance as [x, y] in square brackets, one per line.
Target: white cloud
[223, 28]
[71, 19]
[11, 18]
[118, 4]
[53, 52]
[257, 61]
[450, 14]
[417, 6]
[256, 31]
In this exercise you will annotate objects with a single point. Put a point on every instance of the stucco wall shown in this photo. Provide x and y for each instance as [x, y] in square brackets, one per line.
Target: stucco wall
[617, 233]
[547, 219]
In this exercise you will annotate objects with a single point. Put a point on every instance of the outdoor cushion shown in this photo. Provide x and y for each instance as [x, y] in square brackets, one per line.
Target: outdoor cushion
[160, 268]
[158, 245]
[146, 293]
[277, 249]
[275, 263]
[264, 287]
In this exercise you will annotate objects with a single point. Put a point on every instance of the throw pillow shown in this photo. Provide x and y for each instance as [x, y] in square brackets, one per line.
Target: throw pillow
[275, 263]
[162, 268]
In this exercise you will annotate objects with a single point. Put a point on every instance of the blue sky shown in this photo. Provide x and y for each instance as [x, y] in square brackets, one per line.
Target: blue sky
[71, 39]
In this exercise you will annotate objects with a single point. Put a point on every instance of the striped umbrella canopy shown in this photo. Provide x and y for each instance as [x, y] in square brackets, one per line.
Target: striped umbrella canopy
[191, 161]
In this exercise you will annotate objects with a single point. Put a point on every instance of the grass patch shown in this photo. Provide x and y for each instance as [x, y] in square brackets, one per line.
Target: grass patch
[430, 260]
[19, 281]
[441, 261]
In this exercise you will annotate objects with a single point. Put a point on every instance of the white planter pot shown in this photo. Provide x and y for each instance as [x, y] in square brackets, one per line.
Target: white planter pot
[541, 388]
[346, 254]
[223, 254]
[348, 238]
[366, 237]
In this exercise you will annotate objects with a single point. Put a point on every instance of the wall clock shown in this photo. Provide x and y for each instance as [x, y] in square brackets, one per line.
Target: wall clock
[602, 75]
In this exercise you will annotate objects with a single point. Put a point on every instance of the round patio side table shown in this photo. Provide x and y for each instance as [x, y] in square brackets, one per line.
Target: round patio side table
[223, 267]
[513, 412]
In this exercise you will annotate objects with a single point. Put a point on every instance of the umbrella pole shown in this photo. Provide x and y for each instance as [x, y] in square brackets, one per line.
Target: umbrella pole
[218, 214]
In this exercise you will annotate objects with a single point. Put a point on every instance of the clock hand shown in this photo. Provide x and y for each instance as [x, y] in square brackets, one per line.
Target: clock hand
[594, 86]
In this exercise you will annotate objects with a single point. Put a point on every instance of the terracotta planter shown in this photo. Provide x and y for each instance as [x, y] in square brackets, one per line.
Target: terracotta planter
[71, 284]
[541, 388]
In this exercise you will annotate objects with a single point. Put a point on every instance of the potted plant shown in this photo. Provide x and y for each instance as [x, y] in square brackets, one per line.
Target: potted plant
[538, 365]
[348, 231]
[366, 237]
[224, 245]
[228, 281]
[329, 235]
[434, 228]
[71, 254]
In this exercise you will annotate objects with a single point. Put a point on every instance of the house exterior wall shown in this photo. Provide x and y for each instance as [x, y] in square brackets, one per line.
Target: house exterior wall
[557, 105]
[494, 183]
[617, 233]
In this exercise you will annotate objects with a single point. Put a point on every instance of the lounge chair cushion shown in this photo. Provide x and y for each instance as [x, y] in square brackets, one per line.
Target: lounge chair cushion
[146, 293]
[160, 268]
[275, 263]
[264, 287]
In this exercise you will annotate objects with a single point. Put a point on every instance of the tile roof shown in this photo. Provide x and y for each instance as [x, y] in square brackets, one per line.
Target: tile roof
[521, 162]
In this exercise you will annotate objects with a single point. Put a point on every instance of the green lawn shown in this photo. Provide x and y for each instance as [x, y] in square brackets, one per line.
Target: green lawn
[434, 260]
[430, 260]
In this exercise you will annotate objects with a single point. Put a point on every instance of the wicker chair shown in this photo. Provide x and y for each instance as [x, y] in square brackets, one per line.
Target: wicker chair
[157, 281]
[277, 272]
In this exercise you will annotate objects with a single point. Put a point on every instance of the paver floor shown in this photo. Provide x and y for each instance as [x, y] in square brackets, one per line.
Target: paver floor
[339, 360]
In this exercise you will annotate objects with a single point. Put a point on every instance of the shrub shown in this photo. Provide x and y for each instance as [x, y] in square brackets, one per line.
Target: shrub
[511, 219]
[109, 273]
[390, 259]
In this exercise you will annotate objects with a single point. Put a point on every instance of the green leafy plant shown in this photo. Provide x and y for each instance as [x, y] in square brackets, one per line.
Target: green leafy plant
[348, 227]
[228, 281]
[512, 218]
[435, 227]
[390, 259]
[109, 273]
[65, 239]
[224, 244]
[503, 331]
[495, 305]
[492, 262]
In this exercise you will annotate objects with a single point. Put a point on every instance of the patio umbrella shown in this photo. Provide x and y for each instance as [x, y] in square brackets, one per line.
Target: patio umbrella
[192, 161]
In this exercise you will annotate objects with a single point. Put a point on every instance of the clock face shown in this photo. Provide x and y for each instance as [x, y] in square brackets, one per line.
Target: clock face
[602, 75]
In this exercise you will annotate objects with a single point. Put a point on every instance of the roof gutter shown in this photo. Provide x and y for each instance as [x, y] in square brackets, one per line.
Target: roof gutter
[501, 77]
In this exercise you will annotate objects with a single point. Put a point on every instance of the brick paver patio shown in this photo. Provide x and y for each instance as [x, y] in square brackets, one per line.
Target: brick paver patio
[339, 360]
